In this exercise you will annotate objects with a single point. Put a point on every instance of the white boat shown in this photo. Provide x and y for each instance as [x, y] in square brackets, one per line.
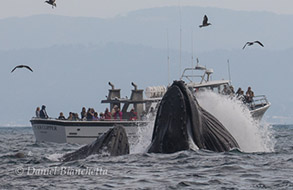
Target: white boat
[84, 132]
[257, 106]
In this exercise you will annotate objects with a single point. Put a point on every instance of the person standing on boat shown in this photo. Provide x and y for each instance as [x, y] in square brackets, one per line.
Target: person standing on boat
[114, 109]
[240, 96]
[249, 95]
[107, 114]
[38, 112]
[238, 91]
[75, 116]
[118, 114]
[95, 117]
[61, 116]
[133, 115]
[226, 90]
[43, 113]
[89, 115]
[102, 116]
[232, 90]
[70, 116]
[83, 114]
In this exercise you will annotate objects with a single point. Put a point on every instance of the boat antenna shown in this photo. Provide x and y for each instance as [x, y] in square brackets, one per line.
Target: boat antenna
[229, 70]
[180, 17]
[168, 57]
[192, 49]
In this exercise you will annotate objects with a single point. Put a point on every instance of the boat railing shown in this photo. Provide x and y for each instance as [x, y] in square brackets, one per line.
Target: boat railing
[79, 120]
[258, 101]
[190, 76]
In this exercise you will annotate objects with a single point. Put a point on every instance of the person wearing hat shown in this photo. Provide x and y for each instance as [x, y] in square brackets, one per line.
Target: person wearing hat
[43, 113]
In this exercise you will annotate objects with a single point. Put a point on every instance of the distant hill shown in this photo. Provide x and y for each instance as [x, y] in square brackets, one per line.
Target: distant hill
[74, 58]
[229, 29]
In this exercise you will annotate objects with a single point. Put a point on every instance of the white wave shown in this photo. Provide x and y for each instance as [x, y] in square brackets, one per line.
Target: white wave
[144, 136]
[14, 125]
[54, 157]
[250, 134]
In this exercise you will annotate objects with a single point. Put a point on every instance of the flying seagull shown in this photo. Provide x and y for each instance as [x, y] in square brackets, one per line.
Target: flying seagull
[251, 43]
[205, 22]
[22, 66]
[51, 2]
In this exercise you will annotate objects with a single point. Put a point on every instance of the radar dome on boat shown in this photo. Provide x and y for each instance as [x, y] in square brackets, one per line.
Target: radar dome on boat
[155, 91]
[209, 71]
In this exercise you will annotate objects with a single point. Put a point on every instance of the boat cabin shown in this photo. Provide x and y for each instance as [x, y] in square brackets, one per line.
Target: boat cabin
[257, 106]
[141, 105]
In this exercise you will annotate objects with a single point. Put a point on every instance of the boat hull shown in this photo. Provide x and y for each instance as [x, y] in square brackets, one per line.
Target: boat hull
[80, 132]
[258, 113]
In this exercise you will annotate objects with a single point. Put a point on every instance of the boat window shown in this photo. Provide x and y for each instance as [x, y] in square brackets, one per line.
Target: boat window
[215, 89]
[219, 88]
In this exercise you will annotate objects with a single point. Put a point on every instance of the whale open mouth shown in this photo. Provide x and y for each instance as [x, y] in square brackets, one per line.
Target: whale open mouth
[181, 124]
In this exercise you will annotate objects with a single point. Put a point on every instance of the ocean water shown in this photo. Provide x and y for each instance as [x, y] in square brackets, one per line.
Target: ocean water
[39, 168]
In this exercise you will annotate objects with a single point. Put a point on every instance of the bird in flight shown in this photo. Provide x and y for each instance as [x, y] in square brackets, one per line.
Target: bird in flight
[251, 43]
[22, 66]
[205, 22]
[52, 2]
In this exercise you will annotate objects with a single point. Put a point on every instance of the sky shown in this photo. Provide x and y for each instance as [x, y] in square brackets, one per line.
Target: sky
[111, 8]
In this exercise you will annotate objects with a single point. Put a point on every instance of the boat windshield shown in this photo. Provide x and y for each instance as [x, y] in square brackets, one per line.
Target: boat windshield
[223, 88]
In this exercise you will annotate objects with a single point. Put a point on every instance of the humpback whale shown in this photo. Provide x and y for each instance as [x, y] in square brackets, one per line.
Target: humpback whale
[181, 124]
[114, 142]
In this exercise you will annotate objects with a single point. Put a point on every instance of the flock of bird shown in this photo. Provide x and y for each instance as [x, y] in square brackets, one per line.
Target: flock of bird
[205, 23]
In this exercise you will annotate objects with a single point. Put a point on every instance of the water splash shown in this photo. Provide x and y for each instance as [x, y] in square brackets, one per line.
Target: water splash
[251, 135]
[55, 157]
[144, 136]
